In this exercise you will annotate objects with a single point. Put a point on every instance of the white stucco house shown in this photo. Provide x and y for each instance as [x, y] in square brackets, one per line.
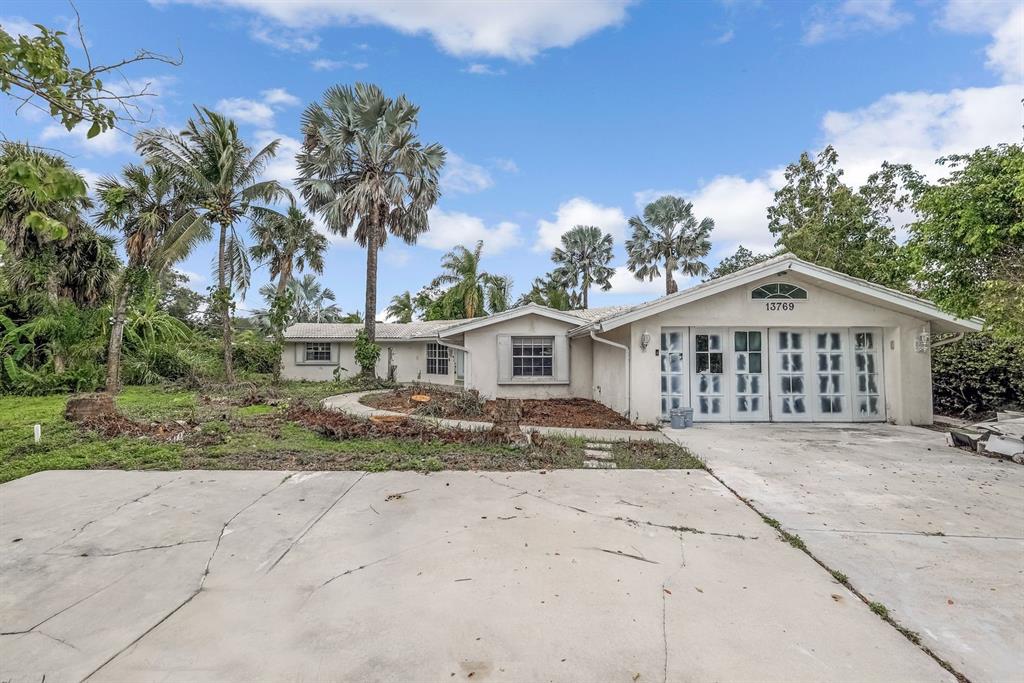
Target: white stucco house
[784, 340]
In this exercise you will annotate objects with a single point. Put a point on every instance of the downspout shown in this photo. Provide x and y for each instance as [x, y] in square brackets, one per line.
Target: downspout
[629, 372]
[469, 362]
[951, 340]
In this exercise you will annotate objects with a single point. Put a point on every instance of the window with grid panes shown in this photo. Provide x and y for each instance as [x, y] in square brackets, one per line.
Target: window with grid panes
[533, 356]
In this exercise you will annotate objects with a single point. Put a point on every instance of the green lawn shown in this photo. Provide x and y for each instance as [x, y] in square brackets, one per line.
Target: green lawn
[226, 435]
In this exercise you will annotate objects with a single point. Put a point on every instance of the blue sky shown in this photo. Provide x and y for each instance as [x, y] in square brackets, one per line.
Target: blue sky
[557, 113]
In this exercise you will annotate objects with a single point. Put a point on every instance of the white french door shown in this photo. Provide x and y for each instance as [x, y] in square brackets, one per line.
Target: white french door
[709, 388]
[831, 376]
[790, 399]
[749, 368]
[868, 385]
[673, 370]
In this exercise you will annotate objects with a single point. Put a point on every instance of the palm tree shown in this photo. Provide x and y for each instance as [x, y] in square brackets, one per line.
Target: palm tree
[469, 288]
[402, 307]
[221, 173]
[363, 168]
[157, 227]
[583, 259]
[499, 294]
[286, 242]
[547, 291]
[668, 232]
[311, 301]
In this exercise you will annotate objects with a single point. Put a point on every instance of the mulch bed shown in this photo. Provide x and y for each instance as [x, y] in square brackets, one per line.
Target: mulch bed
[579, 413]
[338, 425]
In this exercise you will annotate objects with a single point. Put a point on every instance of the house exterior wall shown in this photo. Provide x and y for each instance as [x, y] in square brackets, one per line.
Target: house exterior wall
[410, 357]
[483, 372]
[610, 375]
[907, 372]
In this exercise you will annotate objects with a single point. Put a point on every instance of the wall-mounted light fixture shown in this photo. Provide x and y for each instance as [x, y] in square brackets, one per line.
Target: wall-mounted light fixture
[645, 340]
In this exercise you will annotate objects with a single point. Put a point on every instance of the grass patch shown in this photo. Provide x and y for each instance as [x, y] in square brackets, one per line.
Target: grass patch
[879, 609]
[840, 577]
[651, 455]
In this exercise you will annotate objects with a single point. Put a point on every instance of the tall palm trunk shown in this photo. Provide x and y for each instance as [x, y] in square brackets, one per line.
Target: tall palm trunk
[224, 294]
[116, 340]
[370, 319]
[282, 286]
[585, 283]
[670, 283]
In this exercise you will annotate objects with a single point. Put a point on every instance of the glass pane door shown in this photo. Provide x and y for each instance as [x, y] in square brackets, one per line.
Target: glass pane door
[710, 401]
[868, 401]
[673, 369]
[830, 375]
[749, 367]
[789, 373]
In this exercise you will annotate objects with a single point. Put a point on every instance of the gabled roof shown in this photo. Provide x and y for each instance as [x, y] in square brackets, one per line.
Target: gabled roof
[885, 296]
[570, 317]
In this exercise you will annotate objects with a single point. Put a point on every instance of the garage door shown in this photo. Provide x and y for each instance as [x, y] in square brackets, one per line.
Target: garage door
[777, 374]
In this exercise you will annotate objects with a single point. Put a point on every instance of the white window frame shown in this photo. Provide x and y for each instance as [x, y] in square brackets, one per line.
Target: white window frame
[309, 353]
[542, 342]
[559, 359]
[438, 353]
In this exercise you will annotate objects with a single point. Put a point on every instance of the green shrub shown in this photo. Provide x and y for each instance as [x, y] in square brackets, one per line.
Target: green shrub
[978, 375]
[366, 351]
[255, 354]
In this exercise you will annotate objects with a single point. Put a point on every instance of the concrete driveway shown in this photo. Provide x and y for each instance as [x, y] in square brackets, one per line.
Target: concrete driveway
[934, 534]
[628, 576]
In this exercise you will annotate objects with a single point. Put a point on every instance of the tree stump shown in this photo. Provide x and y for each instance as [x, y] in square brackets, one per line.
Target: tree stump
[508, 413]
[88, 406]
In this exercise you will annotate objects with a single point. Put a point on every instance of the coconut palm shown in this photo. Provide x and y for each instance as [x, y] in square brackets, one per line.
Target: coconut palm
[221, 172]
[402, 307]
[668, 233]
[499, 294]
[157, 227]
[583, 259]
[364, 170]
[285, 243]
[469, 288]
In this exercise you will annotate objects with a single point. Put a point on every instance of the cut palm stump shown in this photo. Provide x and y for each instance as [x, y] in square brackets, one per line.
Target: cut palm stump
[387, 419]
[420, 398]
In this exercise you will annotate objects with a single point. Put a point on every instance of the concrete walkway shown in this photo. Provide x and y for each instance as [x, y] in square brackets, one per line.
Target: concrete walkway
[933, 533]
[350, 403]
[570, 576]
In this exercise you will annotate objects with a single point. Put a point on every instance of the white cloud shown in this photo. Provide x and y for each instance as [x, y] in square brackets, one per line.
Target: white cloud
[579, 211]
[107, 143]
[918, 127]
[334, 65]
[18, 26]
[624, 282]
[912, 127]
[483, 70]
[505, 165]
[194, 279]
[257, 112]
[246, 111]
[830, 22]
[726, 37]
[282, 167]
[502, 28]
[91, 178]
[463, 176]
[1003, 20]
[449, 228]
[284, 39]
[279, 96]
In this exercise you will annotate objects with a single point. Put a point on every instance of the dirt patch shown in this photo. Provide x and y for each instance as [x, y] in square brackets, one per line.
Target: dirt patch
[110, 425]
[579, 413]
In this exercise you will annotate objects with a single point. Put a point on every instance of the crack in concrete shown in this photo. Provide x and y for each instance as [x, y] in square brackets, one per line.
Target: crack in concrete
[627, 520]
[309, 526]
[59, 612]
[113, 512]
[202, 580]
[630, 555]
[139, 550]
[59, 640]
[925, 534]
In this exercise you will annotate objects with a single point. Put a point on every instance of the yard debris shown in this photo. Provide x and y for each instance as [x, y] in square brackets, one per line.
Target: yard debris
[999, 438]
[456, 404]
